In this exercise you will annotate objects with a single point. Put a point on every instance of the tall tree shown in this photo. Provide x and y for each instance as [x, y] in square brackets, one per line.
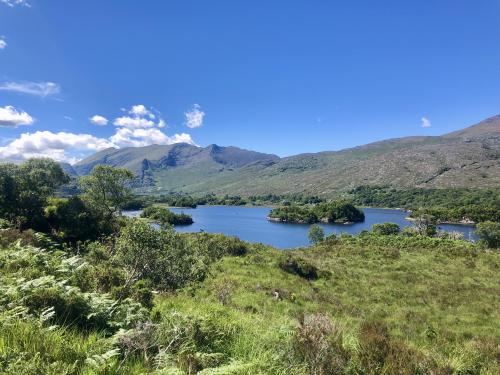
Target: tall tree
[106, 188]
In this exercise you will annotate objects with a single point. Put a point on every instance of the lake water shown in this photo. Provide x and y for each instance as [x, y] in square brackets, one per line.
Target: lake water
[250, 224]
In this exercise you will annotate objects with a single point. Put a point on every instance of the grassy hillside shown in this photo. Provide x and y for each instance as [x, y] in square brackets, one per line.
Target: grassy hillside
[466, 158]
[365, 305]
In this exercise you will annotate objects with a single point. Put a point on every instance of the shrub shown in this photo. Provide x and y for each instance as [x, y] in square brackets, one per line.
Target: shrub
[385, 229]
[300, 267]
[318, 342]
[489, 234]
[162, 256]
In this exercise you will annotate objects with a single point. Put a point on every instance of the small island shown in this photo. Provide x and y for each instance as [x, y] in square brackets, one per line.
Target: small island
[163, 215]
[327, 212]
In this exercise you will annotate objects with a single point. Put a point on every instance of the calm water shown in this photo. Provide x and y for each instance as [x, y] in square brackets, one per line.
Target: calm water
[250, 224]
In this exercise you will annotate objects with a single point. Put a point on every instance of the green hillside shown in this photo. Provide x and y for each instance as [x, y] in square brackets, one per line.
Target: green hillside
[465, 158]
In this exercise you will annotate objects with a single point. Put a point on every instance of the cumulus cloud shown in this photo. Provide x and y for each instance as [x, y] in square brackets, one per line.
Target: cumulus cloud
[133, 122]
[10, 117]
[13, 3]
[141, 111]
[41, 89]
[140, 128]
[53, 145]
[144, 137]
[426, 123]
[99, 120]
[194, 117]
[140, 117]
[3, 43]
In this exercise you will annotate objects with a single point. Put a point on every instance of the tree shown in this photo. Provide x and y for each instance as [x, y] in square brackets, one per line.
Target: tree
[106, 188]
[72, 220]
[316, 234]
[24, 190]
[489, 234]
[385, 229]
[425, 225]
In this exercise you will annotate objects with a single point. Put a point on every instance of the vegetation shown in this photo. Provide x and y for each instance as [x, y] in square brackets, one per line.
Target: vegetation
[164, 216]
[489, 234]
[446, 205]
[140, 300]
[369, 304]
[327, 212]
[385, 229]
[183, 200]
[316, 234]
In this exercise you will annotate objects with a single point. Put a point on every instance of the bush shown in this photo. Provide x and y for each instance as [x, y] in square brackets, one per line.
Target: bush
[489, 234]
[318, 342]
[385, 229]
[300, 267]
[163, 256]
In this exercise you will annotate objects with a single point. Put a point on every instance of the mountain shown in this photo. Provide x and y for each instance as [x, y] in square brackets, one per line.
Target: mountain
[171, 167]
[466, 158]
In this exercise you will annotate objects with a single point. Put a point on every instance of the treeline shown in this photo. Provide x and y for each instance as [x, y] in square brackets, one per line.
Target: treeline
[446, 205]
[328, 212]
[189, 201]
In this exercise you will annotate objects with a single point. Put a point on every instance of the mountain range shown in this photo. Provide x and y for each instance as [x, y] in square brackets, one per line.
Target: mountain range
[466, 158]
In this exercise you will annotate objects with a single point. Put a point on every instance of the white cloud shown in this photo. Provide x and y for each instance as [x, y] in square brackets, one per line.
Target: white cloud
[140, 117]
[141, 111]
[426, 123]
[3, 43]
[99, 120]
[194, 117]
[53, 145]
[11, 117]
[42, 89]
[144, 137]
[136, 130]
[133, 122]
[13, 3]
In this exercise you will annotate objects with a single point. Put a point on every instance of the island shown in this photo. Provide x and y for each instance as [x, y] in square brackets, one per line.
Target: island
[163, 215]
[327, 212]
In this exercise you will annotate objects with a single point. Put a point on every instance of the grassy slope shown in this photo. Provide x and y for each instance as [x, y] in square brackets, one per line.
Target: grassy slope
[414, 291]
[439, 299]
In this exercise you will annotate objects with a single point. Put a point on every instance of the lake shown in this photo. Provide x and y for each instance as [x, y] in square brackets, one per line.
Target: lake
[250, 224]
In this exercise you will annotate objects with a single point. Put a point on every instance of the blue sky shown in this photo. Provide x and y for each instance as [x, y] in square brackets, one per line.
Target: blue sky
[275, 76]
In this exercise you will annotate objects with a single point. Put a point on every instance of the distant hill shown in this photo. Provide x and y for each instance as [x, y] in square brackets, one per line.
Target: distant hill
[466, 158]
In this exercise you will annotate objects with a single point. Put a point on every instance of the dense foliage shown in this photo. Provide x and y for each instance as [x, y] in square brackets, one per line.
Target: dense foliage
[446, 205]
[24, 190]
[327, 212]
[164, 216]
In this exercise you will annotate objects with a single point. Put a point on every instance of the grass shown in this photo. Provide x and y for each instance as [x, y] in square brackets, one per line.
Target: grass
[373, 305]
[444, 304]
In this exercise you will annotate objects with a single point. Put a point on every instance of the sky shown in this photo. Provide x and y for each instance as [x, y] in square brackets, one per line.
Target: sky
[282, 76]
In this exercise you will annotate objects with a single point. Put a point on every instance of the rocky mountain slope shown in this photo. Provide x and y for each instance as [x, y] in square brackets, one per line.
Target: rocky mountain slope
[466, 158]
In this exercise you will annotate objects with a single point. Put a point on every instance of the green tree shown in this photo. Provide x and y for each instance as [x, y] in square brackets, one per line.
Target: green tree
[72, 220]
[24, 190]
[425, 225]
[385, 229]
[316, 234]
[106, 188]
[489, 234]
